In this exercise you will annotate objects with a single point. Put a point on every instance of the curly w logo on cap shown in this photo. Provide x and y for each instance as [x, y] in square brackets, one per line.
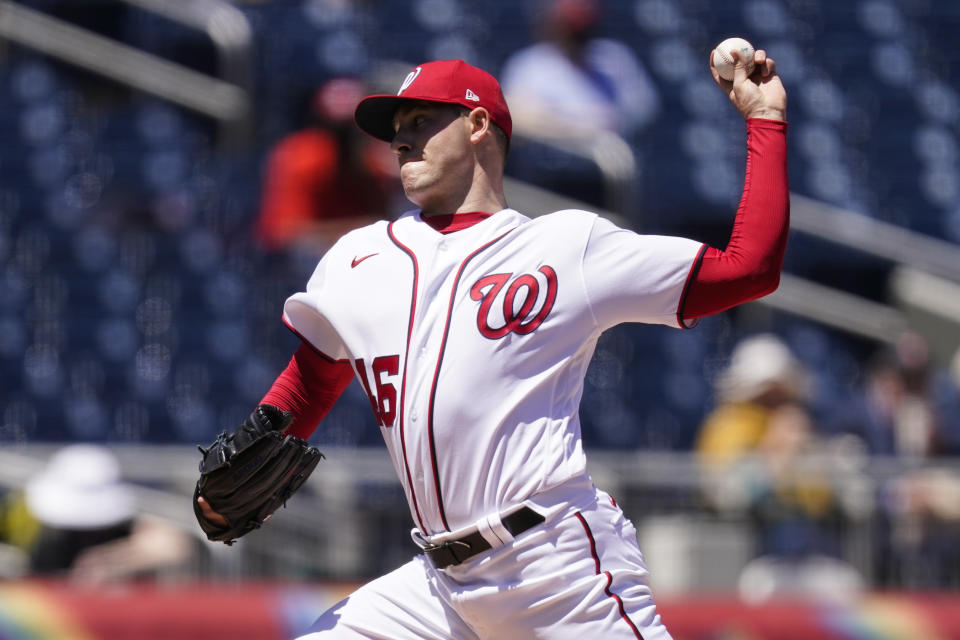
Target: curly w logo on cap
[409, 79]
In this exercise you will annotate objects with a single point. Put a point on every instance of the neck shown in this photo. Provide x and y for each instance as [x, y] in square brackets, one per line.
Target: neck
[485, 193]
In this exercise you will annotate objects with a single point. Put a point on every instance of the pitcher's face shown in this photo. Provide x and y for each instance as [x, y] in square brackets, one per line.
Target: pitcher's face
[432, 143]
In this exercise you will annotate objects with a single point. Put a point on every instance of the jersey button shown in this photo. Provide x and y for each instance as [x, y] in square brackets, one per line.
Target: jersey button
[414, 416]
[443, 246]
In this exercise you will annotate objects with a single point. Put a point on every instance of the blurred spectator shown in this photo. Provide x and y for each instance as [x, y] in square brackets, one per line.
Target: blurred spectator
[897, 413]
[77, 518]
[763, 378]
[327, 178]
[759, 450]
[909, 410]
[919, 547]
[790, 499]
[573, 96]
[573, 76]
[946, 391]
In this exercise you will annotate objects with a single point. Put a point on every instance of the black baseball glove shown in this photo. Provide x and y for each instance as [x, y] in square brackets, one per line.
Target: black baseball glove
[247, 475]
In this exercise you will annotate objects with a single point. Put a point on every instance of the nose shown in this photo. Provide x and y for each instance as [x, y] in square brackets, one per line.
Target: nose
[400, 144]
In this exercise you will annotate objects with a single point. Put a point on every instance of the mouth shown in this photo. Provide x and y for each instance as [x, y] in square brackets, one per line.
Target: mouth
[409, 157]
[408, 163]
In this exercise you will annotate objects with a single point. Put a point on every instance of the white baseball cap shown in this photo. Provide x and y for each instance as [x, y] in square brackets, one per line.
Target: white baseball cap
[758, 363]
[80, 489]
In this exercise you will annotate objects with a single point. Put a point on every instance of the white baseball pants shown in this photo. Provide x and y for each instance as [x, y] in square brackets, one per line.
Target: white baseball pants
[580, 577]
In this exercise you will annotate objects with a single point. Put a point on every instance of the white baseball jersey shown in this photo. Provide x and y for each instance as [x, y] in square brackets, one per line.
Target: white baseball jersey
[473, 345]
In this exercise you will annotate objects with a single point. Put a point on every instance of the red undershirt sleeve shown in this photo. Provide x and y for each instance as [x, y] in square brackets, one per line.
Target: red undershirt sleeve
[749, 268]
[308, 387]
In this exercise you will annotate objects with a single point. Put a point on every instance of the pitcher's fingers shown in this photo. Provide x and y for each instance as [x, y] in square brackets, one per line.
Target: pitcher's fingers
[770, 68]
[739, 66]
[764, 63]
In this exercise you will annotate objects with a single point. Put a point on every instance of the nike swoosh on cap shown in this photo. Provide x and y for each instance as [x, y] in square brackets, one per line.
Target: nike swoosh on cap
[357, 261]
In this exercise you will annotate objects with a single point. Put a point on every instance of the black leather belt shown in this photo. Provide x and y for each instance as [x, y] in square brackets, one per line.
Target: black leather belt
[456, 551]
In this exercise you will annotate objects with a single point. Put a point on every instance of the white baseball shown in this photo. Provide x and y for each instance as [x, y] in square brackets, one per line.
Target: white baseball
[723, 60]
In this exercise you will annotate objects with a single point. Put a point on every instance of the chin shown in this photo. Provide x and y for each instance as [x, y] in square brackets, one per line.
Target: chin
[417, 194]
[412, 185]
[412, 194]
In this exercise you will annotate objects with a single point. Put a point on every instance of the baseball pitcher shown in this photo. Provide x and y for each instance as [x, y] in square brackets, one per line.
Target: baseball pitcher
[470, 327]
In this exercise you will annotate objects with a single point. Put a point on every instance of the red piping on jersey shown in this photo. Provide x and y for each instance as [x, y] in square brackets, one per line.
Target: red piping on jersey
[606, 589]
[691, 276]
[403, 383]
[436, 375]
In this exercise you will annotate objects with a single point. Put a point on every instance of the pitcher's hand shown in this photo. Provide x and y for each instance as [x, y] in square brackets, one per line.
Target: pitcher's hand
[759, 95]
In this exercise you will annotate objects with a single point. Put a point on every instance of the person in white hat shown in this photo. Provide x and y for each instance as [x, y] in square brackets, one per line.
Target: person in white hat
[87, 525]
[80, 501]
[763, 374]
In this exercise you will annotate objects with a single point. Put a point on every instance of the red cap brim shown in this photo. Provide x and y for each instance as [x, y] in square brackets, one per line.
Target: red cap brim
[374, 114]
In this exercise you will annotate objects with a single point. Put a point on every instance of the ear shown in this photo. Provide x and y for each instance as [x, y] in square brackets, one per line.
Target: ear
[479, 120]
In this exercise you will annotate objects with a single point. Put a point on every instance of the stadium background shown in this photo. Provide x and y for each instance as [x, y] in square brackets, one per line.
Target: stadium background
[137, 310]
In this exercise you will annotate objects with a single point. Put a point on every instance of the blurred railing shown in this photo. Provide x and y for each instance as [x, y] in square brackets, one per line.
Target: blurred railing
[924, 283]
[837, 309]
[875, 237]
[608, 152]
[227, 100]
[891, 523]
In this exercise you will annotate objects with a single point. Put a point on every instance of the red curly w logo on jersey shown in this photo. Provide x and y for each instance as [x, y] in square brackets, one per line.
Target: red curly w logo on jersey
[523, 308]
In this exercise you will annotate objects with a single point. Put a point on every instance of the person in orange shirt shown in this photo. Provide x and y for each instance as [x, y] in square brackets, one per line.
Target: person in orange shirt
[325, 179]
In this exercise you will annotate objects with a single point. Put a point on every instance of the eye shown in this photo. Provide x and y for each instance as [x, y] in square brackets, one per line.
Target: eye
[419, 121]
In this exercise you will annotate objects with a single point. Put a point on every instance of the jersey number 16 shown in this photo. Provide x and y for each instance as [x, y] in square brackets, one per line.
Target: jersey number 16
[384, 402]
